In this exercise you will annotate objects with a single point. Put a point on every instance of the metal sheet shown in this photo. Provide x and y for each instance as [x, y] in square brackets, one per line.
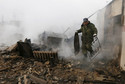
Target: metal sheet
[25, 49]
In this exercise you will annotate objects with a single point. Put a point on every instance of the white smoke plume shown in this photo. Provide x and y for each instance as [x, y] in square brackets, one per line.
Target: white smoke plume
[45, 15]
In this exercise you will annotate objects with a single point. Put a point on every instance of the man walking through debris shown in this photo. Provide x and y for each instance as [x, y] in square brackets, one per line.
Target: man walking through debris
[88, 31]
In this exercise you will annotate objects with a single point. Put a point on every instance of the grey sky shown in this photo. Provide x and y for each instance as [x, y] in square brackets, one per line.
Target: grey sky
[53, 15]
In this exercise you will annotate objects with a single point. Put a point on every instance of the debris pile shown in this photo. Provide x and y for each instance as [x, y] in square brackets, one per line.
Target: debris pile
[15, 69]
[17, 66]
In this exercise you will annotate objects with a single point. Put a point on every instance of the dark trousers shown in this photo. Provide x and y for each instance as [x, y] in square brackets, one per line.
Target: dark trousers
[87, 47]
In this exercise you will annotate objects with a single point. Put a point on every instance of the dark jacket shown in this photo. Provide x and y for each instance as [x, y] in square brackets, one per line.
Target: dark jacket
[87, 32]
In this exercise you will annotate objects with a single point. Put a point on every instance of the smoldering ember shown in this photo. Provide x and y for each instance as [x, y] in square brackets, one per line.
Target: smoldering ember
[93, 53]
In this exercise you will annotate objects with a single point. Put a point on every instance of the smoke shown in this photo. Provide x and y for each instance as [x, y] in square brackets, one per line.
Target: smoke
[66, 50]
[10, 34]
[44, 15]
[37, 16]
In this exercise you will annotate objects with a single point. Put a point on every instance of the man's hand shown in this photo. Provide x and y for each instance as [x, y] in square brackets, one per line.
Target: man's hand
[94, 35]
[76, 32]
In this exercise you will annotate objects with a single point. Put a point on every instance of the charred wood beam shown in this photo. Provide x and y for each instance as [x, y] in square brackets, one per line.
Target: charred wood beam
[37, 80]
[100, 82]
[123, 77]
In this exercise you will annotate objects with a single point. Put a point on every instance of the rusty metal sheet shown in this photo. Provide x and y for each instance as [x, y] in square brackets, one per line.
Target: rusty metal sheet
[46, 56]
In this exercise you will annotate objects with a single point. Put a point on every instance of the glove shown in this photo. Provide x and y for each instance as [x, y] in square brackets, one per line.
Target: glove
[94, 35]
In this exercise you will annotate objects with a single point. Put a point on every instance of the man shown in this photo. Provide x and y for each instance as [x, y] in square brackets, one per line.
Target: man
[88, 31]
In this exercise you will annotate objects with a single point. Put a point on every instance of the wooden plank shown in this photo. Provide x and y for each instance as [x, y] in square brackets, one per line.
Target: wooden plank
[100, 82]
[37, 80]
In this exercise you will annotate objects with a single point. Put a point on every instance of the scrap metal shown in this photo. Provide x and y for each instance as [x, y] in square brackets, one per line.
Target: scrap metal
[46, 56]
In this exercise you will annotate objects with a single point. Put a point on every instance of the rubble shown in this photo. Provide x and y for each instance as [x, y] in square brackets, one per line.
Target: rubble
[15, 69]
